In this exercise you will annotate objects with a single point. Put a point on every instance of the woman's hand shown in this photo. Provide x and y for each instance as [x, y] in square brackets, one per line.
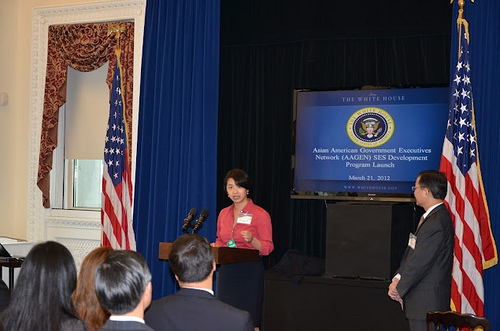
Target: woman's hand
[249, 238]
[247, 235]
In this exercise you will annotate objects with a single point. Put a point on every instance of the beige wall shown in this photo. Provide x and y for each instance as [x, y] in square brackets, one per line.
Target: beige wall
[15, 71]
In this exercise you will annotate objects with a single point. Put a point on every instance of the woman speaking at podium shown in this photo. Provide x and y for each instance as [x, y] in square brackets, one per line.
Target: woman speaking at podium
[242, 225]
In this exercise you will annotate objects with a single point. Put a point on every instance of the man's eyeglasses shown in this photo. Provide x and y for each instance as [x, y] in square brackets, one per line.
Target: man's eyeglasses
[413, 188]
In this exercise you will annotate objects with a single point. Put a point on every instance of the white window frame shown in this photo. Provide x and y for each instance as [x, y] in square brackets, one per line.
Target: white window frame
[62, 175]
[58, 224]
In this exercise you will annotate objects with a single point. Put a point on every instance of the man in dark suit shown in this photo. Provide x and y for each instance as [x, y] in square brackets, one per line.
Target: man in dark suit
[423, 280]
[194, 306]
[123, 286]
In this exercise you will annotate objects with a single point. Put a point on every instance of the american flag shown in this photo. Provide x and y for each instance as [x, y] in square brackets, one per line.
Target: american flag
[116, 213]
[475, 248]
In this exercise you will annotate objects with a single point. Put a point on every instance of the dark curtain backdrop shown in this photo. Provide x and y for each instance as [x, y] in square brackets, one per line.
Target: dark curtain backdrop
[268, 49]
[256, 89]
[176, 153]
[484, 25]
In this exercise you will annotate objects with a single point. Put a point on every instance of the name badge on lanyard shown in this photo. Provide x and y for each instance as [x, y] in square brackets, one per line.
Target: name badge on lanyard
[412, 241]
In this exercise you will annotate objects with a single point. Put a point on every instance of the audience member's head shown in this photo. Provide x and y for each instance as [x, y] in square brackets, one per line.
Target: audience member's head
[87, 306]
[123, 283]
[191, 258]
[42, 296]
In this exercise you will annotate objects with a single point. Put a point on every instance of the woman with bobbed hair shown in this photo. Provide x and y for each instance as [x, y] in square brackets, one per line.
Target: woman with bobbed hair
[87, 306]
[41, 299]
[243, 225]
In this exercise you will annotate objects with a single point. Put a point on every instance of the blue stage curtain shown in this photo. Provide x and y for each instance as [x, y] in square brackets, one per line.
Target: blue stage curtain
[484, 25]
[177, 139]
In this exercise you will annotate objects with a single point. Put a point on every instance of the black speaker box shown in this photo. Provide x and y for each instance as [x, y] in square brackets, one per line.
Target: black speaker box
[367, 240]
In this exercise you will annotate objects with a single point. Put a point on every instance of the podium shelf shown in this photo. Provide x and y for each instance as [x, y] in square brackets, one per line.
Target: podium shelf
[222, 255]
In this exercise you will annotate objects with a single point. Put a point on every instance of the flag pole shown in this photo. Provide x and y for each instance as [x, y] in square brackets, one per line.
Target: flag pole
[117, 209]
[117, 29]
[475, 248]
[462, 22]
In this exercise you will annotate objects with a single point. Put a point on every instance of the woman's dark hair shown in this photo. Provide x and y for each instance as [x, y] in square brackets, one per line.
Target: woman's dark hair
[240, 178]
[191, 258]
[435, 181]
[41, 299]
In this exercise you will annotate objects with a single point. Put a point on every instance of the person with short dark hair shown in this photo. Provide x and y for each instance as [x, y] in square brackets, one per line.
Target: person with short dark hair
[423, 280]
[123, 286]
[245, 225]
[41, 299]
[194, 306]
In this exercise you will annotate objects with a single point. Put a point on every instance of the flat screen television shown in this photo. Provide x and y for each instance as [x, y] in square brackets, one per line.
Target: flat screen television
[366, 143]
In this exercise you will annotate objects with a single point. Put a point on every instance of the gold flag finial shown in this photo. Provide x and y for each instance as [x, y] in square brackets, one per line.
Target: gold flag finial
[461, 4]
[117, 29]
[462, 22]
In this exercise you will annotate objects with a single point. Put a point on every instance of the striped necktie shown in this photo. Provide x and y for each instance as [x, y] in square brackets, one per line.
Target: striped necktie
[420, 222]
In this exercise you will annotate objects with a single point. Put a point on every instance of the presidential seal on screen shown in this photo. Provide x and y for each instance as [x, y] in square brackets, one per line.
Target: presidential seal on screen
[370, 127]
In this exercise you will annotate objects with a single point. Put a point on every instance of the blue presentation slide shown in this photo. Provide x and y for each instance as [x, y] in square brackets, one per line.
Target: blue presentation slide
[374, 141]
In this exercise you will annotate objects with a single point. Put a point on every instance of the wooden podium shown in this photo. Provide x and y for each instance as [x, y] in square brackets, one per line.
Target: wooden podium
[222, 255]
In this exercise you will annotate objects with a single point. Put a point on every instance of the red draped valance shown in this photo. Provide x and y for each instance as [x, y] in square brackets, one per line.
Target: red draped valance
[84, 47]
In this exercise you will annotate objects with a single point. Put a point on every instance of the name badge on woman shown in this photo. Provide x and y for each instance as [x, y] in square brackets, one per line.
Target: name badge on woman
[244, 218]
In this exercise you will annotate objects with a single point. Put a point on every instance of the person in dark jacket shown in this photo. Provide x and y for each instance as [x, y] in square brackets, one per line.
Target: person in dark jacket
[123, 286]
[423, 280]
[194, 306]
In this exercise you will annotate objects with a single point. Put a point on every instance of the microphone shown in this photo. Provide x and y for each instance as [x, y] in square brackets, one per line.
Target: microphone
[187, 221]
[199, 222]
